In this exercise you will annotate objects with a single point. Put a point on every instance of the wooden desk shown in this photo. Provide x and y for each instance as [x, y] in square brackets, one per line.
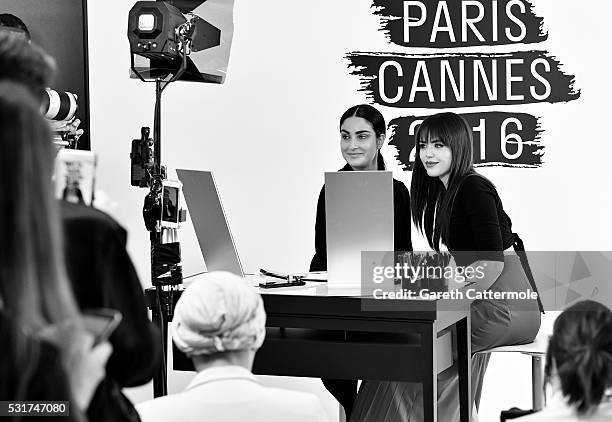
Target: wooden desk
[315, 331]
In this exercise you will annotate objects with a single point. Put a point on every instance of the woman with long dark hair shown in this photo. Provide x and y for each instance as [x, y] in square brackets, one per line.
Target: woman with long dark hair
[454, 205]
[579, 366]
[362, 134]
[35, 294]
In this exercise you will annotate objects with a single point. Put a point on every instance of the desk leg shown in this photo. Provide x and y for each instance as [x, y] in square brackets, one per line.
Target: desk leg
[430, 383]
[160, 384]
[464, 351]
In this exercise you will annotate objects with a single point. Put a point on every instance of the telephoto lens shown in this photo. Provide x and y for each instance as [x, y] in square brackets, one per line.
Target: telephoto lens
[59, 105]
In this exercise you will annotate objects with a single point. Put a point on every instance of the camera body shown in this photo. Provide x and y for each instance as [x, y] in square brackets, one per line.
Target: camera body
[142, 159]
[162, 216]
[170, 204]
[162, 206]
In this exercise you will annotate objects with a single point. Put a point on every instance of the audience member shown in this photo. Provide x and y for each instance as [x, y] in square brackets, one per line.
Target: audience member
[98, 265]
[103, 275]
[219, 322]
[35, 294]
[579, 366]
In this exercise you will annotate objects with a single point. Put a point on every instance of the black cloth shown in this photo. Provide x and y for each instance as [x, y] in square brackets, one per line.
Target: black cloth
[479, 228]
[345, 391]
[43, 378]
[102, 275]
[401, 221]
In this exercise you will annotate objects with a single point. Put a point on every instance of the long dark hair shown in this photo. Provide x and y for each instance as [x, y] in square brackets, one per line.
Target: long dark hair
[431, 203]
[374, 117]
[34, 289]
[580, 352]
[33, 283]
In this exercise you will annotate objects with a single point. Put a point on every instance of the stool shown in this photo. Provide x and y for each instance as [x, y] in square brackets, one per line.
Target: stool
[537, 350]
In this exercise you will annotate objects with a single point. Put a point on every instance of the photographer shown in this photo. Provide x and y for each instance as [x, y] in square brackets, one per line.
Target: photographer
[97, 263]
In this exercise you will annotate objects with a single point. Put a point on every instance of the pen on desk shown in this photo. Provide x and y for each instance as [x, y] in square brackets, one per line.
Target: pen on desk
[290, 278]
[271, 274]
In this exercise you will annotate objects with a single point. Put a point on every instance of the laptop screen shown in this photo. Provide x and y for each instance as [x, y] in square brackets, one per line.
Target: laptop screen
[359, 217]
[211, 228]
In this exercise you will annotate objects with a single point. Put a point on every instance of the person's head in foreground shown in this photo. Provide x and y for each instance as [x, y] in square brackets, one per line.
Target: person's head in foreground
[579, 356]
[219, 320]
[25, 63]
[33, 284]
[36, 300]
[12, 23]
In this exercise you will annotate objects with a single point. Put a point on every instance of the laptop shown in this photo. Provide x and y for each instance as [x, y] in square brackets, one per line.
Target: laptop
[359, 217]
[211, 228]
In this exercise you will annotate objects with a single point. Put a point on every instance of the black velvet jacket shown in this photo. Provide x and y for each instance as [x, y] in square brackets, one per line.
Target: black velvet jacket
[102, 275]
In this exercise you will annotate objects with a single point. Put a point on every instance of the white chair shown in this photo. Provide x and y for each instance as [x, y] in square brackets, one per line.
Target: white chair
[537, 351]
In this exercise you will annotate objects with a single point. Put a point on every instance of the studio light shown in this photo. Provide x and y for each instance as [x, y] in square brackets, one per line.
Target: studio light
[155, 30]
[160, 32]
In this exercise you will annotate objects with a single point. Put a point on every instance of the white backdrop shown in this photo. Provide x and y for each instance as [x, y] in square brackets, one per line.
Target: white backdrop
[271, 131]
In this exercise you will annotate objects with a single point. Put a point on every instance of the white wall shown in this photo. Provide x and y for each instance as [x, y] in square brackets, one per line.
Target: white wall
[270, 132]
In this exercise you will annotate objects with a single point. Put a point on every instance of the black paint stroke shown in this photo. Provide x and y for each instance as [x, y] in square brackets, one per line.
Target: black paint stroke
[392, 24]
[530, 135]
[367, 66]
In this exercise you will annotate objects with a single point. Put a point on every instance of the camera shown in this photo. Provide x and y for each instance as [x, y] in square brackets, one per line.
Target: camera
[170, 206]
[162, 207]
[59, 105]
[162, 216]
[142, 159]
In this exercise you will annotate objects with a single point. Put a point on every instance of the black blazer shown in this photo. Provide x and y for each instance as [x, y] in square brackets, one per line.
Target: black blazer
[102, 275]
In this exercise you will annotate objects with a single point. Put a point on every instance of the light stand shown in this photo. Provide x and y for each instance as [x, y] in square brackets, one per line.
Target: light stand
[166, 274]
[165, 33]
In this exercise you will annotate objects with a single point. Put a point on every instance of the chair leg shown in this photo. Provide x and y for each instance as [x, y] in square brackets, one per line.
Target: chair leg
[537, 383]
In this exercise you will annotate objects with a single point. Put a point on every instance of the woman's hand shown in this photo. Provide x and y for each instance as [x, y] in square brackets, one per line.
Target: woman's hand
[83, 362]
[86, 368]
[70, 128]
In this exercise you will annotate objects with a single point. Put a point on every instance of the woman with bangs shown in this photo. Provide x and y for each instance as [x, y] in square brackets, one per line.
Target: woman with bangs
[452, 204]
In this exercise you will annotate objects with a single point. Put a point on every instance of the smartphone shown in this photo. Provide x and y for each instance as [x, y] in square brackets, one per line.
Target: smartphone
[75, 176]
[170, 204]
[101, 322]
